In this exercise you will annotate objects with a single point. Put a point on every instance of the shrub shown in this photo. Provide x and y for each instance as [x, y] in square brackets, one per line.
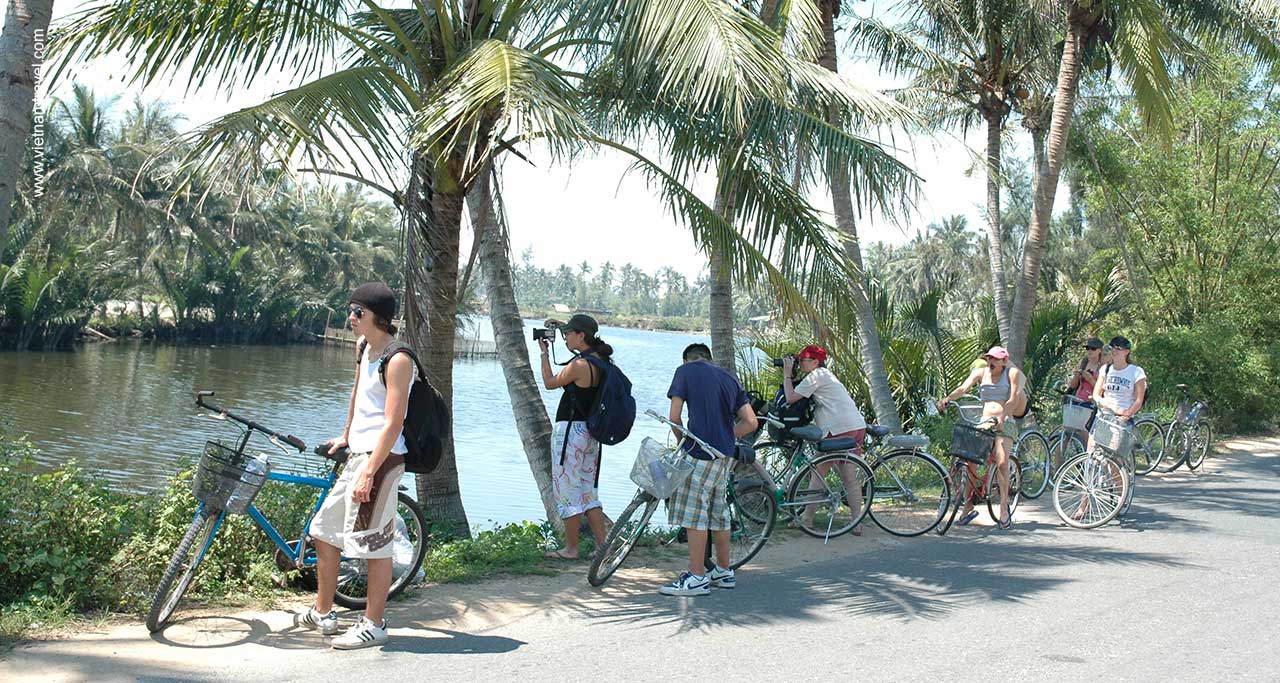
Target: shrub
[1233, 373]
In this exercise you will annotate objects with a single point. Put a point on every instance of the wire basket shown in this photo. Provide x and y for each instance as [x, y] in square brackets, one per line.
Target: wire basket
[970, 443]
[969, 408]
[659, 469]
[228, 479]
[1076, 413]
[1110, 435]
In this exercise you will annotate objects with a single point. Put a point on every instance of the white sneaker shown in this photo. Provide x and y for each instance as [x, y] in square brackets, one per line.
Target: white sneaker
[721, 578]
[363, 634]
[326, 623]
[687, 584]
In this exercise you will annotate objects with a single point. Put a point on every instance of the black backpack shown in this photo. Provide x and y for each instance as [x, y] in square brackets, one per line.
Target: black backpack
[611, 418]
[426, 422]
[796, 414]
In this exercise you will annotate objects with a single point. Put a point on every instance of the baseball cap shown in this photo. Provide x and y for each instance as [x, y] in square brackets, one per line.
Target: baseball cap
[997, 352]
[583, 323]
[1120, 343]
[815, 352]
[1093, 344]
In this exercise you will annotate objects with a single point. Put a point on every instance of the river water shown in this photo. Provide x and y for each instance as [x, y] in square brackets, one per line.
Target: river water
[126, 409]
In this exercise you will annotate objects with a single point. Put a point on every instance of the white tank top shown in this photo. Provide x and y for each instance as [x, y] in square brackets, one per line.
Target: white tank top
[371, 410]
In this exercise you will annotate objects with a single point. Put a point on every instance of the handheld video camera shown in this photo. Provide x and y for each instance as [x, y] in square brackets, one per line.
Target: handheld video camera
[548, 333]
[777, 362]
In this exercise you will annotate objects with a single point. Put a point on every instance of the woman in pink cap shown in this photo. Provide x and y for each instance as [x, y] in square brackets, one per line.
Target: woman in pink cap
[1002, 388]
[835, 413]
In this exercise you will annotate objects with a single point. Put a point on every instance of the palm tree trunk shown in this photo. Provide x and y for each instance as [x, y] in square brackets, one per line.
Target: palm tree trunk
[24, 21]
[434, 221]
[886, 410]
[722, 297]
[1046, 189]
[995, 251]
[508, 330]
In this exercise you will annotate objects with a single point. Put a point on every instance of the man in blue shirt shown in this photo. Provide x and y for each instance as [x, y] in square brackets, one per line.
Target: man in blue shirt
[714, 398]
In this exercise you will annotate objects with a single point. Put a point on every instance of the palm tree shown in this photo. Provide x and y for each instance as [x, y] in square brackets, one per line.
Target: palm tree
[24, 20]
[1139, 39]
[432, 92]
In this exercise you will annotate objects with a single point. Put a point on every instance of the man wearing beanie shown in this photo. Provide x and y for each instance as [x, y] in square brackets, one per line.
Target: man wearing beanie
[357, 519]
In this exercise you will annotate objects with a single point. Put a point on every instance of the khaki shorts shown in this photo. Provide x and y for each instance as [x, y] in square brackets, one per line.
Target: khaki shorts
[1011, 427]
[361, 530]
[702, 503]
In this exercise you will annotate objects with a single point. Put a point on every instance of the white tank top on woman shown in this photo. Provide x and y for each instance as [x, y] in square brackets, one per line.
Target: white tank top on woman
[371, 410]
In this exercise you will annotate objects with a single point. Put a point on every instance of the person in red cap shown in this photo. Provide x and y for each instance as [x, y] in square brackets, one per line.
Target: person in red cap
[835, 413]
[1002, 388]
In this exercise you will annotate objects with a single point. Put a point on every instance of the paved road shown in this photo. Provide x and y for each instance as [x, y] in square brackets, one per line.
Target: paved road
[1183, 590]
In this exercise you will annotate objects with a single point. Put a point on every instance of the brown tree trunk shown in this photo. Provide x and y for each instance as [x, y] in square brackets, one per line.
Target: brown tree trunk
[434, 222]
[1046, 189]
[886, 410]
[508, 330]
[995, 250]
[722, 344]
[25, 25]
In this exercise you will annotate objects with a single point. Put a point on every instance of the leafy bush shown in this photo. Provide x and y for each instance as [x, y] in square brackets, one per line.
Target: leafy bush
[1235, 374]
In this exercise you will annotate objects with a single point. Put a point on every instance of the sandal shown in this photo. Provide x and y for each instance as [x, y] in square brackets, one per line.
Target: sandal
[1005, 523]
[964, 521]
[559, 555]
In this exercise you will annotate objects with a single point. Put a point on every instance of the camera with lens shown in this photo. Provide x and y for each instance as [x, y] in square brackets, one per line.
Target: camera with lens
[548, 333]
[777, 362]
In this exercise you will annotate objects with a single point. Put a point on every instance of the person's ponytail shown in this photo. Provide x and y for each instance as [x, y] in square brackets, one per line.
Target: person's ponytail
[598, 346]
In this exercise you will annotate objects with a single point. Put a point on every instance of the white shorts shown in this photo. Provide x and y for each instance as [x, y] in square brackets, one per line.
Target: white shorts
[361, 530]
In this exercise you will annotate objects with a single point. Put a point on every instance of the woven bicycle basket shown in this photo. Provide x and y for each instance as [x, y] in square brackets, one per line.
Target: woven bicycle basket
[659, 470]
[227, 479]
[1112, 436]
[1077, 413]
[970, 443]
[1183, 412]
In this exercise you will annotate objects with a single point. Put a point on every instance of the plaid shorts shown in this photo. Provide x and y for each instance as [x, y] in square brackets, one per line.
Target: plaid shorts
[701, 502]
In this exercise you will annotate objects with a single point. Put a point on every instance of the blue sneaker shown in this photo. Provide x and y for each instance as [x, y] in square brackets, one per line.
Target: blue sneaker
[721, 578]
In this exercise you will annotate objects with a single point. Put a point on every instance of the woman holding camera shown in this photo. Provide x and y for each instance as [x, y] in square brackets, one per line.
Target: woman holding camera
[835, 413]
[575, 454]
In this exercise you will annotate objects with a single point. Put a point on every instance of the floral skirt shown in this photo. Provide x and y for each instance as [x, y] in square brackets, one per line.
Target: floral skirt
[575, 468]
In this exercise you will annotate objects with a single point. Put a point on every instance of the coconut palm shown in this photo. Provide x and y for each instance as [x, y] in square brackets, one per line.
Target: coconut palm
[1139, 39]
[24, 20]
[430, 93]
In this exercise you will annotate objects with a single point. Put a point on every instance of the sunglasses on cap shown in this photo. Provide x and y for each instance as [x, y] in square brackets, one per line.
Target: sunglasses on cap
[357, 311]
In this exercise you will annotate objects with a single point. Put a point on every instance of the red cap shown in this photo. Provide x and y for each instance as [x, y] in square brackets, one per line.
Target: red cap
[815, 352]
[998, 353]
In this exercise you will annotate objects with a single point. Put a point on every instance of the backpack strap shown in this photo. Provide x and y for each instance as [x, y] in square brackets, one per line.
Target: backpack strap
[399, 347]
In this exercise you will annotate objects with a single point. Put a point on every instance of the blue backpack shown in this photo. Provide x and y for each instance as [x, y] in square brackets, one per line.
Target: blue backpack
[611, 418]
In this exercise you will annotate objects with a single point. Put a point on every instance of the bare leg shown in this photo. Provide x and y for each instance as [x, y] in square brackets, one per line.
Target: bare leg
[967, 483]
[817, 483]
[698, 550]
[1002, 475]
[327, 558]
[852, 492]
[572, 529]
[379, 585]
[721, 539]
[595, 519]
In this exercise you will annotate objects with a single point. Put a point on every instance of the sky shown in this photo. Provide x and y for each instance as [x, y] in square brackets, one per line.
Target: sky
[594, 210]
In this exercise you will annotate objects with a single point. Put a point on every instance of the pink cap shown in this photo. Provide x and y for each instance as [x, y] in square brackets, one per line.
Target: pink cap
[997, 352]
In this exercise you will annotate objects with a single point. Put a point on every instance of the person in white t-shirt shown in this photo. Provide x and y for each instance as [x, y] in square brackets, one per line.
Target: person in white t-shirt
[1122, 386]
[834, 413]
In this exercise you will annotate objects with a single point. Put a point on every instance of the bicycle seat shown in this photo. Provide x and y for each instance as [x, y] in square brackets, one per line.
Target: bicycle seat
[878, 431]
[907, 441]
[807, 433]
[838, 443]
[1181, 386]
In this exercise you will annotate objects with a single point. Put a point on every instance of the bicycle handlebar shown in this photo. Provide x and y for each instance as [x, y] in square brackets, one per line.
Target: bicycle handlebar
[687, 434]
[287, 438]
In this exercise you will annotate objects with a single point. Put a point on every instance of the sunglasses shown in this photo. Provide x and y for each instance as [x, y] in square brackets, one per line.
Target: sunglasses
[357, 311]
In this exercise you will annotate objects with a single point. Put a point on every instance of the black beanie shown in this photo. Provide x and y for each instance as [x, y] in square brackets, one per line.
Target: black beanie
[377, 298]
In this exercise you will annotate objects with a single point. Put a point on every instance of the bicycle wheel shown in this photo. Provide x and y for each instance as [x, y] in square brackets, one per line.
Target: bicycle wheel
[1201, 439]
[1015, 489]
[960, 487]
[409, 547]
[1148, 445]
[627, 529]
[1090, 490]
[1063, 446]
[752, 513]
[182, 566]
[819, 495]
[910, 493]
[1174, 452]
[1032, 451]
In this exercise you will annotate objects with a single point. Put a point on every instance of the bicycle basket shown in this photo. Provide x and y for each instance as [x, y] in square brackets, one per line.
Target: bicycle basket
[228, 479]
[1183, 413]
[970, 443]
[659, 469]
[1077, 413]
[1110, 435]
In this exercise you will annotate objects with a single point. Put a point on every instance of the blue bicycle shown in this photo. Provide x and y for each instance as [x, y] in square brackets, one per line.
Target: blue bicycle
[227, 481]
